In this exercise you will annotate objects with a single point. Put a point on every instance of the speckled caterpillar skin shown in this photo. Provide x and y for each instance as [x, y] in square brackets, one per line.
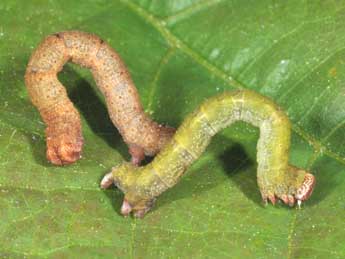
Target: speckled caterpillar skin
[276, 178]
[63, 132]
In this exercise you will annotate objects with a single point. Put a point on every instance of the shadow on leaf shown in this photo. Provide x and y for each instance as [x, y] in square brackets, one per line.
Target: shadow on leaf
[232, 158]
[115, 197]
[242, 171]
[93, 109]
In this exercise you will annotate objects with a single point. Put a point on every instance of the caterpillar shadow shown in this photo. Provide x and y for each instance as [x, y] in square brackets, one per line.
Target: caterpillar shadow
[241, 170]
[230, 158]
[115, 198]
[92, 109]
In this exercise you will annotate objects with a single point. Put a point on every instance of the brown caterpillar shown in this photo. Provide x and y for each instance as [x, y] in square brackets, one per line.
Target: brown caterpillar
[276, 178]
[64, 139]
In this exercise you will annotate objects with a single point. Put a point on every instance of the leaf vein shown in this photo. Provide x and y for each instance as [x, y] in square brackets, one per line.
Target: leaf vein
[275, 43]
[164, 60]
[317, 66]
[191, 10]
[174, 41]
[189, 232]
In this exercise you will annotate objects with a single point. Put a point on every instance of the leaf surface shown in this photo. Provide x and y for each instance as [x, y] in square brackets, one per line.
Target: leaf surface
[179, 52]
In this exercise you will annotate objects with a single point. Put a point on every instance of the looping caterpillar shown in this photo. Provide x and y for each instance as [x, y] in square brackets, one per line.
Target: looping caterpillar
[275, 177]
[64, 139]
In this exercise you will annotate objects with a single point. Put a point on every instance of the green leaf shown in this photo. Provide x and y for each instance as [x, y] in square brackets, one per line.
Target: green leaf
[179, 52]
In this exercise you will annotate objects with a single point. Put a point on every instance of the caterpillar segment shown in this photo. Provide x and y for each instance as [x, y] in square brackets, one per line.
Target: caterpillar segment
[276, 178]
[63, 132]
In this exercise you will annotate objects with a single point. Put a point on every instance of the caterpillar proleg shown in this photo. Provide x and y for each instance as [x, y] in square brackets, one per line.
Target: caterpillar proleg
[275, 177]
[64, 139]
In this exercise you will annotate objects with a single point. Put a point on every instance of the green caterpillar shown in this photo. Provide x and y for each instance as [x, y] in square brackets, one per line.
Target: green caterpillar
[276, 178]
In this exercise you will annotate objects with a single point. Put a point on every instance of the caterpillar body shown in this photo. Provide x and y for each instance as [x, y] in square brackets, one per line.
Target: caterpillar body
[275, 177]
[63, 131]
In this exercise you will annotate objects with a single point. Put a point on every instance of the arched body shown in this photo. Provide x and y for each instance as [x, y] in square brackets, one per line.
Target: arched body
[276, 178]
[63, 132]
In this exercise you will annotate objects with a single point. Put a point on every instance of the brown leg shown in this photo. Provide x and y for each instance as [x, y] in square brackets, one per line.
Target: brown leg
[63, 132]
[63, 147]
[137, 154]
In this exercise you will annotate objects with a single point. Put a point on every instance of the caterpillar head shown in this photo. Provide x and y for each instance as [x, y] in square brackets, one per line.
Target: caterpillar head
[166, 133]
[139, 207]
[127, 178]
[162, 136]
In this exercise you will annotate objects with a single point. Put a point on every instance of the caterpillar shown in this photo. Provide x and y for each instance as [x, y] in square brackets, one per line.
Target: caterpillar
[63, 126]
[276, 178]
